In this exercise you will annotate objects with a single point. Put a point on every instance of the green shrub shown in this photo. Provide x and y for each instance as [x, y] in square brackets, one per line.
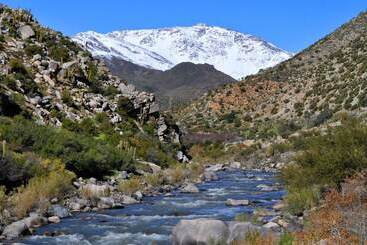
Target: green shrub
[33, 49]
[302, 199]
[59, 53]
[325, 161]
[17, 66]
[330, 158]
[83, 154]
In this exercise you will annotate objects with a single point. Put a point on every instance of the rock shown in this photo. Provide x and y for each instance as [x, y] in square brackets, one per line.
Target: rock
[58, 210]
[271, 225]
[36, 57]
[190, 188]
[239, 230]
[209, 176]
[92, 180]
[283, 223]
[215, 168]
[233, 202]
[129, 200]
[266, 188]
[34, 220]
[106, 202]
[199, 231]
[53, 66]
[69, 64]
[26, 32]
[15, 229]
[154, 107]
[235, 165]
[153, 167]
[138, 195]
[54, 219]
[181, 157]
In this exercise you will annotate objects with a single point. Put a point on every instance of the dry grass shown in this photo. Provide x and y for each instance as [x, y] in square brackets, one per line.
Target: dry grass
[176, 174]
[255, 238]
[342, 218]
[130, 186]
[41, 189]
[154, 180]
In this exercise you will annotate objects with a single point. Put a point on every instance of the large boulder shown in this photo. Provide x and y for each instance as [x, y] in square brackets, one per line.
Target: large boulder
[200, 231]
[26, 32]
[15, 230]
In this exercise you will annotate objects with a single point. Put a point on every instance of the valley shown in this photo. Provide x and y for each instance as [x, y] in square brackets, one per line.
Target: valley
[181, 135]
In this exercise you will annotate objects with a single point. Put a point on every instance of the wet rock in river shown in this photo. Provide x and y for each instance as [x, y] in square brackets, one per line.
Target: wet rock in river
[190, 188]
[199, 231]
[233, 202]
[58, 210]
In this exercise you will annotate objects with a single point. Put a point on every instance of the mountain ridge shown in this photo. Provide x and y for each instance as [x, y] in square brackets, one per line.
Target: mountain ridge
[231, 52]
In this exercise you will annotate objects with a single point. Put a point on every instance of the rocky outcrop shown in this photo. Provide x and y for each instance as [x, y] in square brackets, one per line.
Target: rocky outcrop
[64, 81]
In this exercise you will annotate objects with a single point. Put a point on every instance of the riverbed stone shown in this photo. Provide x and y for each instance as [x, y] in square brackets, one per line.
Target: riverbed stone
[190, 188]
[105, 202]
[58, 210]
[271, 225]
[15, 229]
[129, 200]
[209, 176]
[234, 202]
[54, 219]
[199, 231]
[215, 167]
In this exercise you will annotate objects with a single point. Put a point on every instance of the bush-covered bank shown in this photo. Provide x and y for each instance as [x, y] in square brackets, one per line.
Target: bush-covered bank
[327, 183]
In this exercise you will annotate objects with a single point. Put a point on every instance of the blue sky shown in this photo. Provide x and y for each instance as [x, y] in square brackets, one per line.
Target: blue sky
[290, 24]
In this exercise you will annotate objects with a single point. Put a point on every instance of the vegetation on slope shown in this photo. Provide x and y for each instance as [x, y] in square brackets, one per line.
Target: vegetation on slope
[305, 90]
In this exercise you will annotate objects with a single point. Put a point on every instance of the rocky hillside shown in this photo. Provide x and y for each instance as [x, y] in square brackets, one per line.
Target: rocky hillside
[230, 52]
[176, 86]
[327, 77]
[47, 78]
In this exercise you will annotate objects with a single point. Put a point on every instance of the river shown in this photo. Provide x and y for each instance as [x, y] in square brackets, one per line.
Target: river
[151, 221]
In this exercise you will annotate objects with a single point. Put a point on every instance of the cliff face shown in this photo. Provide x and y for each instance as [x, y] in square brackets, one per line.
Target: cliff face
[48, 78]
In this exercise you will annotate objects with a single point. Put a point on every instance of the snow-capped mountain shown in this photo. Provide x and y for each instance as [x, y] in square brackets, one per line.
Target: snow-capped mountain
[231, 52]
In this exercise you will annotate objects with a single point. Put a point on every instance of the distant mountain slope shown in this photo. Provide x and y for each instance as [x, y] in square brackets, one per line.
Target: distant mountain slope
[327, 77]
[180, 84]
[230, 52]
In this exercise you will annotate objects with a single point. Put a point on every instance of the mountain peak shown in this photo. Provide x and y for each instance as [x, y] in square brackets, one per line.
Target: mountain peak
[231, 52]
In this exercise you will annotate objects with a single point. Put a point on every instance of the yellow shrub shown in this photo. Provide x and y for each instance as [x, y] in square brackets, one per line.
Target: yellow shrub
[130, 186]
[154, 179]
[41, 189]
[176, 174]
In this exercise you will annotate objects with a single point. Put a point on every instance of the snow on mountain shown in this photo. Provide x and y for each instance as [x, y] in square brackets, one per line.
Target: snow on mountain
[231, 52]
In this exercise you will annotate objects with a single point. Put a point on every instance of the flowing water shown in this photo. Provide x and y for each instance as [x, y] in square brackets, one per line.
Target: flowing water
[151, 222]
